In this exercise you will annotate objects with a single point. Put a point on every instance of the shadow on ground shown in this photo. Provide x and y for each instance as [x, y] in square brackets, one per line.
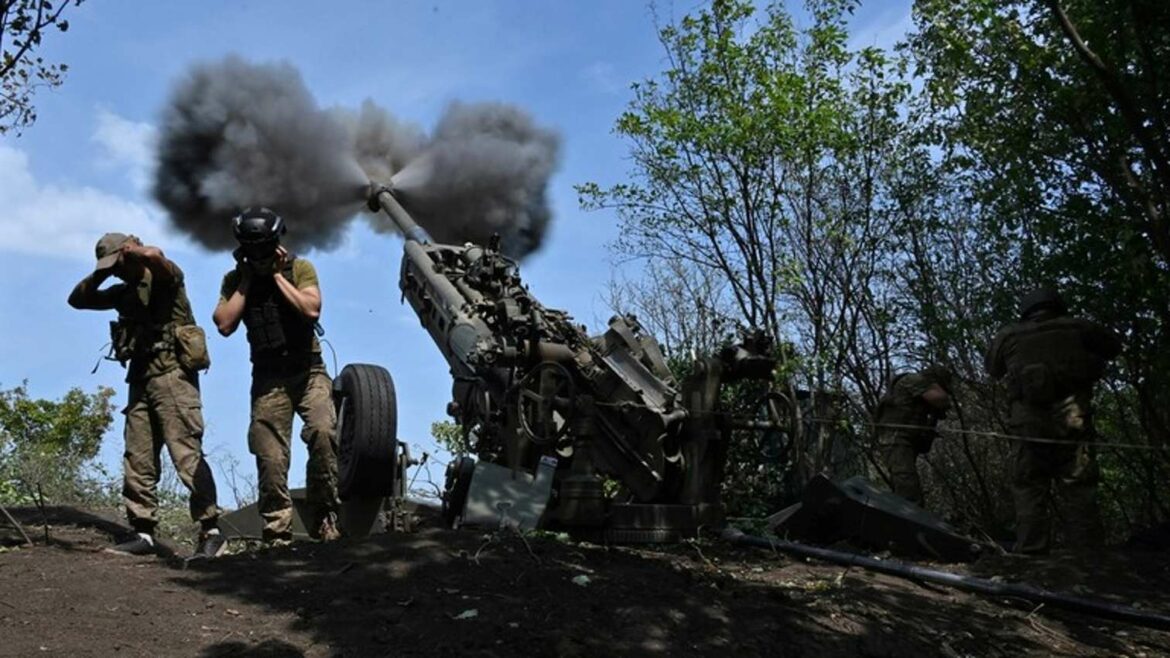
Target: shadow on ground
[439, 592]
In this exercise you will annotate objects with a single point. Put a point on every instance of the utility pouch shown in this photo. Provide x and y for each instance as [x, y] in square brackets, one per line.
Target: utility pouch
[121, 341]
[191, 347]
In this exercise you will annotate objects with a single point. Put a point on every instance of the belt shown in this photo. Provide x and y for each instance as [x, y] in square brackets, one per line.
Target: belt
[285, 363]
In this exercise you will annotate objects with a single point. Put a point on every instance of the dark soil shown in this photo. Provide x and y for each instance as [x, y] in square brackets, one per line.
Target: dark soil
[438, 592]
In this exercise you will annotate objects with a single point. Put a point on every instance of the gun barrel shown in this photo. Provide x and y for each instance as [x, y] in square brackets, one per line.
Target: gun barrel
[383, 198]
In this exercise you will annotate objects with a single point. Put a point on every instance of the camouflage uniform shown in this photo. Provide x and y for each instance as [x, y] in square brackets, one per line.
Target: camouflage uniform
[287, 379]
[1050, 363]
[164, 407]
[903, 405]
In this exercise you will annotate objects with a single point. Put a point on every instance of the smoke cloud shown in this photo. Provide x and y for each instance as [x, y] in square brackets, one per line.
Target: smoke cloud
[483, 172]
[236, 134]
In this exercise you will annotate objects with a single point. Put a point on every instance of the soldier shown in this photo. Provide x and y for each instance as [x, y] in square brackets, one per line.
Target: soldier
[1050, 362]
[277, 297]
[156, 336]
[905, 419]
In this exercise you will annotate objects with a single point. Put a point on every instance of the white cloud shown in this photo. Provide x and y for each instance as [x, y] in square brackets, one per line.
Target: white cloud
[127, 145]
[63, 220]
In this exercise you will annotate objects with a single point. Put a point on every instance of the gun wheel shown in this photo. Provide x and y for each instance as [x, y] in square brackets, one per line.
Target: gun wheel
[367, 432]
[546, 403]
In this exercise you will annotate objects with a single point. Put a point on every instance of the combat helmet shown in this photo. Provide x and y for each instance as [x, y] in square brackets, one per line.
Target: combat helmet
[258, 225]
[1042, 298]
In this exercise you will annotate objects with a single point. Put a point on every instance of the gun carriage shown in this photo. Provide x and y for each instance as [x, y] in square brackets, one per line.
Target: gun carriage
[614, 446]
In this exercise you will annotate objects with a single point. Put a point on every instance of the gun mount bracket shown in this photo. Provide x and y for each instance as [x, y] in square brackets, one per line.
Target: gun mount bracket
[456, 484]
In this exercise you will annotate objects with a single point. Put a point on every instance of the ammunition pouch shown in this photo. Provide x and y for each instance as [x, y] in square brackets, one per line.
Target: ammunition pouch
[129, 339]
[191, 347]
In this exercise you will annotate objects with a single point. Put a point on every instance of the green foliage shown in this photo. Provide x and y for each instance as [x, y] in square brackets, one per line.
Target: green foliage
[450, 437]
[49, 445]
[768, 163]
[24, 24]
[785, 181]
[1050, 120]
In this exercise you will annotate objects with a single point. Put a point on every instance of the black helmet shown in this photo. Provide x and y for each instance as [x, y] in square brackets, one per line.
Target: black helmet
[258, 225]
[1042, 298]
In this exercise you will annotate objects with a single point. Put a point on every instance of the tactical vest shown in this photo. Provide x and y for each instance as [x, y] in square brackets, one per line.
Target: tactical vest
[1048, 361]
[136, 337]
[143, 336]
[275, 328]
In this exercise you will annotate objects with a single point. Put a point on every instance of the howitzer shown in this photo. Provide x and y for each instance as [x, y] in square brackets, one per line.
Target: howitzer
[597, 427]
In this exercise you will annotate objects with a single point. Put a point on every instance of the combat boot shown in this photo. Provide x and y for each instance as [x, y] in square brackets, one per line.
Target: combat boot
[278, 540]
[212, 544]
[140, 544]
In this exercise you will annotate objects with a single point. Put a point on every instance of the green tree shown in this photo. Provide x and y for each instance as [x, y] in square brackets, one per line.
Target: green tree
[50, 445]
[24, 24]
[767, 164]
[1052, 117]
[450, 437]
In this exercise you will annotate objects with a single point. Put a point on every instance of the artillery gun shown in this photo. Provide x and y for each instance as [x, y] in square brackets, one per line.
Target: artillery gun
[592, 435]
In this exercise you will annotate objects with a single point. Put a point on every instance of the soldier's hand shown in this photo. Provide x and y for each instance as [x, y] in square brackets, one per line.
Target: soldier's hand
[131, 248]
[99, 276]
[280, 261]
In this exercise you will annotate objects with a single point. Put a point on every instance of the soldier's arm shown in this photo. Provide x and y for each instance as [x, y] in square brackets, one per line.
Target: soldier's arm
[304, 294]
[920, 386]
[232, 295]
[86, 294]
[153, 258]
[937, 397]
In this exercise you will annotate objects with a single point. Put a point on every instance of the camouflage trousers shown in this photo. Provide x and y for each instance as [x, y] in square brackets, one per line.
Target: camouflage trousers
[900, 458]
[275, 397]
[1056, 477]
[165, 410]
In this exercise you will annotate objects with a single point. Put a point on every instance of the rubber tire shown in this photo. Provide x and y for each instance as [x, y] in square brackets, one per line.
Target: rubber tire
[367, 456]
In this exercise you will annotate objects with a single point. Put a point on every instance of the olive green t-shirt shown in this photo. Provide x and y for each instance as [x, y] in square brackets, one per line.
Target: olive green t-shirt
[304, 275]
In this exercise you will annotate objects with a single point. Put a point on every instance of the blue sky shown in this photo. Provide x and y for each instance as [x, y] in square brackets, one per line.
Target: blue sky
[83, 169]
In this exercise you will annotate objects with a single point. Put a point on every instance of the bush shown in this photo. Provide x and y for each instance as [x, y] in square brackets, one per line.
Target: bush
[48, 447]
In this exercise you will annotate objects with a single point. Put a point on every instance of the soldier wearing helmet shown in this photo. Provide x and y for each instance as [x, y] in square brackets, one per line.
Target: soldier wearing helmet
[277, 297]
[156, 338]
[1050, 362]
[905, 421]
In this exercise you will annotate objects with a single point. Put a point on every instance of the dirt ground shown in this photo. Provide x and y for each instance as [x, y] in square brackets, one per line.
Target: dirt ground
[438, 592]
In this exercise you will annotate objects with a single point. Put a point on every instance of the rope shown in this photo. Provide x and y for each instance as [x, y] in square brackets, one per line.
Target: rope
[995, 435]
